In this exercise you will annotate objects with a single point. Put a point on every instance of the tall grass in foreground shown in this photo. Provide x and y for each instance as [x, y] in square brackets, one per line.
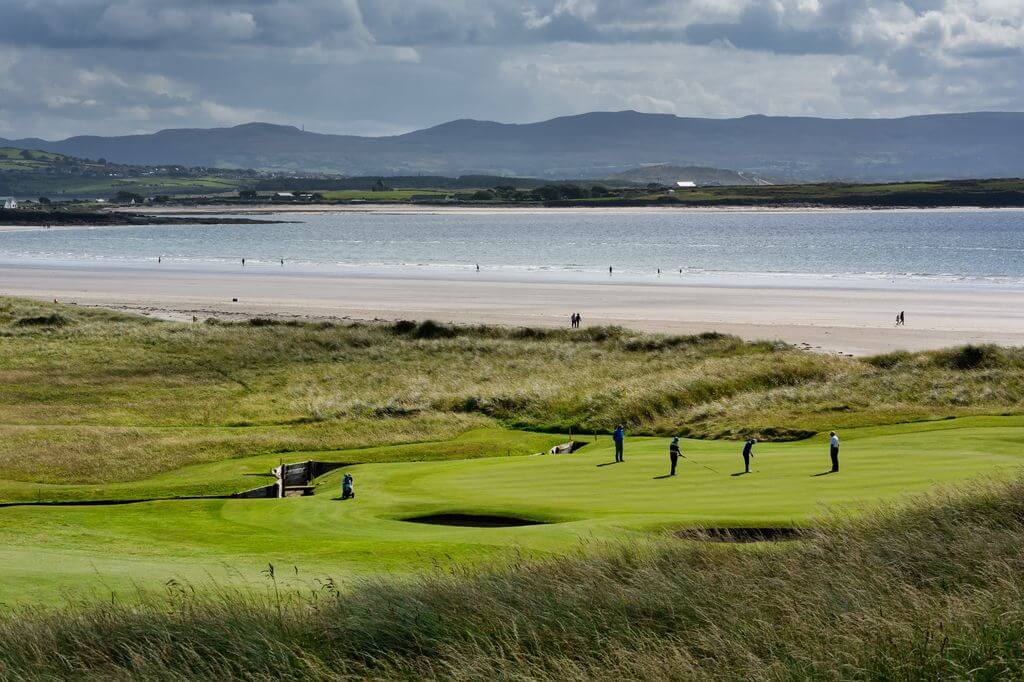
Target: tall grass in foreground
[931, 590]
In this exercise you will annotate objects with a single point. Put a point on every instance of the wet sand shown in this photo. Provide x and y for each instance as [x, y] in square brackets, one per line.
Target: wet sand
[854, 317]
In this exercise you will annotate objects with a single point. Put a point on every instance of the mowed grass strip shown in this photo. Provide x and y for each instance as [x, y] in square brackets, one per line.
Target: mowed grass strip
[578, 500]
[224, 468]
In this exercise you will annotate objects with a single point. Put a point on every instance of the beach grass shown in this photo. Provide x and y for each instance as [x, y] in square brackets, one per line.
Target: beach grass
[91, 396]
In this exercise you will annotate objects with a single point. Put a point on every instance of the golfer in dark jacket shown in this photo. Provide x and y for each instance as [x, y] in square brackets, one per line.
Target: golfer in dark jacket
[748, 452]
[619, 437]
[673, 454]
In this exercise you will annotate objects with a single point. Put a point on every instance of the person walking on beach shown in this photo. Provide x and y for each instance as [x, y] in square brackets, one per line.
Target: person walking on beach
[619, 436]
[243, 262]
[609, 269]
[673, 454]
[748, 452]
[903, 318]
[833, 451]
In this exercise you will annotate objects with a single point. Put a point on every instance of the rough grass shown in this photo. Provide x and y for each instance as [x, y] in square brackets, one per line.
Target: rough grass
[932, 590]
[91, 395]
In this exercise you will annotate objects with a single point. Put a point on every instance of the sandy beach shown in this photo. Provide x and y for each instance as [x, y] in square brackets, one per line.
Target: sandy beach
[829, 315]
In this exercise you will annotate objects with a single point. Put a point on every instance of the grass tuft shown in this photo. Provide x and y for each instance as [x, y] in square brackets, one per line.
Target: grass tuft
[50, 320]
[974, 357]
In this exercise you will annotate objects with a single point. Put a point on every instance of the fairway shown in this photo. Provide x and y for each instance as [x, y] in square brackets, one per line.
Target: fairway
[581, 498]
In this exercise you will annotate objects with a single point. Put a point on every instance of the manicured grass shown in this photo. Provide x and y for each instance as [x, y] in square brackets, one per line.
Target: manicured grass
[929, 591]
[236, 474]
[144, 545]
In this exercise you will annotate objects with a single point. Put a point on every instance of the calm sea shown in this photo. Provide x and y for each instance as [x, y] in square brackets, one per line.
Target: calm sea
[945, 244]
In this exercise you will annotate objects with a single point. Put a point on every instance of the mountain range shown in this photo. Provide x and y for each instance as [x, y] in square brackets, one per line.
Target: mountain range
[600, 144]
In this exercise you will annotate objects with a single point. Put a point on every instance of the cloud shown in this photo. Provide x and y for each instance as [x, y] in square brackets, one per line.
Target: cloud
[159, 24]
[384, 66]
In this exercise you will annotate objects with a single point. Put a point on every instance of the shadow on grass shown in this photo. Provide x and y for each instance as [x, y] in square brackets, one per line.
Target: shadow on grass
[740, 473]
[658, 478]
[607, 464]
[824, 473]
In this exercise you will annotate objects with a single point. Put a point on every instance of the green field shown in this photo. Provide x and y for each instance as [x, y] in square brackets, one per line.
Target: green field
[34, 173]
[579, 498]
[908, 566]
[994, 192]
[12, 159]
[57, 187]
[101, 407]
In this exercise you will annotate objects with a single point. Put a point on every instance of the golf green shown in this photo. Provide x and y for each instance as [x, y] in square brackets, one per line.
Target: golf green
[51, 551]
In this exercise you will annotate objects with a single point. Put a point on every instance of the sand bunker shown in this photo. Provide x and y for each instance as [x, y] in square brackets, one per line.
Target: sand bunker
[473, 520]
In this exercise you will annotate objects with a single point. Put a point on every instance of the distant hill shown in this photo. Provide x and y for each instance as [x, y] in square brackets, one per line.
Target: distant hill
[34, 173]
[667, 174]
[30, 160]
[601, 144]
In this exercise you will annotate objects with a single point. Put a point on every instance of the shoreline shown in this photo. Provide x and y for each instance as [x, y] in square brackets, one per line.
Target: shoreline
[477, 209]
[413, 271]
[847, 317]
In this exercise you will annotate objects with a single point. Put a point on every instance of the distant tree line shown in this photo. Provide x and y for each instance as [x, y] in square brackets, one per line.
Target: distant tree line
[563, 191]
[372, 182]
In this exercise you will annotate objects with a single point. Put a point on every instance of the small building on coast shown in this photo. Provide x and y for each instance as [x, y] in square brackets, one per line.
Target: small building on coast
[9, 202]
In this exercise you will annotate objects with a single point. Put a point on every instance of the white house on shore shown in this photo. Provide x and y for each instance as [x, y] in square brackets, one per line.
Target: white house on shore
[685, 183]
[9, 202]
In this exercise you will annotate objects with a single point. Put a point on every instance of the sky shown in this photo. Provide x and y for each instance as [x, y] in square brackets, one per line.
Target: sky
[381, 67]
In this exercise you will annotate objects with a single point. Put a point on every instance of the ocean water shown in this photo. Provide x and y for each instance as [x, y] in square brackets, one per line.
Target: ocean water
[969, 244]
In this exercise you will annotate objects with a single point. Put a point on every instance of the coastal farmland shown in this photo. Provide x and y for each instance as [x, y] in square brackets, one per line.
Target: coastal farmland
[29, 174]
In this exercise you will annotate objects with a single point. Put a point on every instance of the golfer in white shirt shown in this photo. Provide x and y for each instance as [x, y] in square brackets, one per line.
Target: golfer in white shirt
[834, 451]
